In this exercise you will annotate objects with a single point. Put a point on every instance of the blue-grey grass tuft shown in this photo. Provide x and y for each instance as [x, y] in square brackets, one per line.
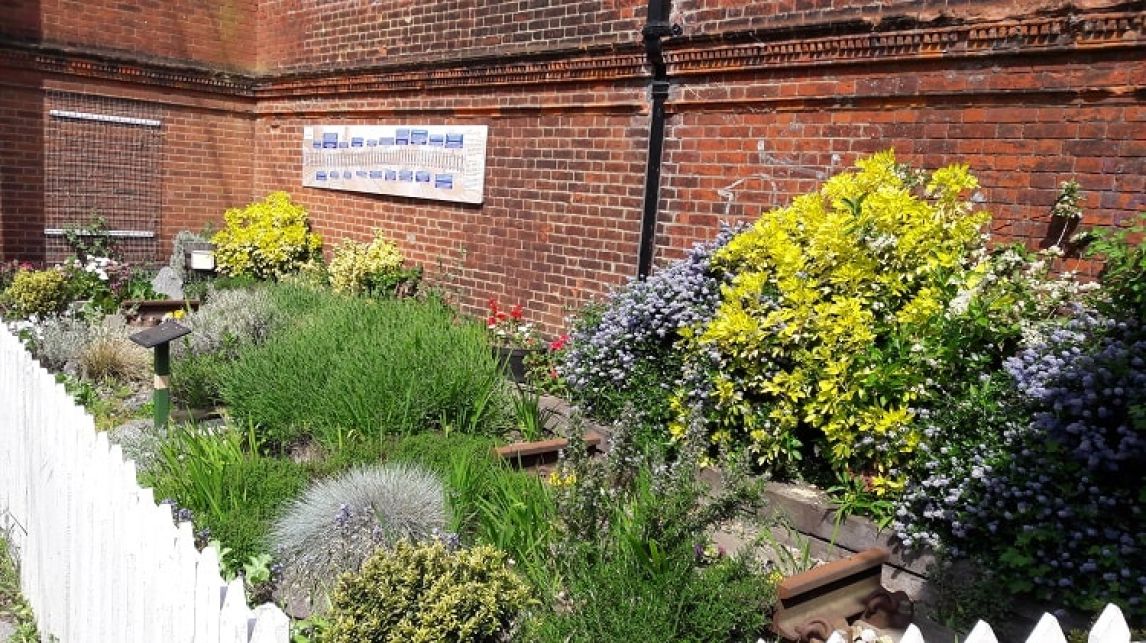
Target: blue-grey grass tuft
[339, 522]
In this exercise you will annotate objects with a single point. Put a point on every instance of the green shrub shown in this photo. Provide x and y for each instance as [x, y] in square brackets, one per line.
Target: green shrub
[628, 530]
[234, 490]
[339, 522]
[266, 239]
[195, 380]
[727, 601]
[368, 366]
[374, 267]
[226, 322]
[35, 292]
[424, 593]
[1124, 269]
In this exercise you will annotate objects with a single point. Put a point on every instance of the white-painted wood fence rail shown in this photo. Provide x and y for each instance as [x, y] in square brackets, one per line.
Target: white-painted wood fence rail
[100, 561]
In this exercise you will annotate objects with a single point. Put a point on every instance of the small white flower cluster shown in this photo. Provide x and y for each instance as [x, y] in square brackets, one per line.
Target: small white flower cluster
[97, 266]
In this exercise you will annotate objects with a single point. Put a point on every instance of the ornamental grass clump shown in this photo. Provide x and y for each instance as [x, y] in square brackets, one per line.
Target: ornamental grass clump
[339, 523]
[424, 593]
[267, 239]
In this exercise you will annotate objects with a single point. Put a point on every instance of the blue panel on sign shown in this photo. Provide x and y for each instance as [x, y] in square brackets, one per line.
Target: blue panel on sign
[370, 142]
[316, 144]
[406, 175]
[329, 140]
[375, 174]
[361, 174]
[320, 176]
[419, 137]
[422, 176]
[437, 140]
[386, 141]
[391, 175]
[402, 137]
[346, 174]
[454, 140]
[356, 142]
[444, 181]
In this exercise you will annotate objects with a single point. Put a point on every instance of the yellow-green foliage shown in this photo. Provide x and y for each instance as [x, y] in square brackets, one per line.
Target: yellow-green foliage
[266, 239]
[36, 292]
[830, 303]
[422, 593]
[356, 266]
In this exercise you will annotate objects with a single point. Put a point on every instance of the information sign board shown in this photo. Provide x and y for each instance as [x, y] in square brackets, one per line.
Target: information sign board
[443, 162]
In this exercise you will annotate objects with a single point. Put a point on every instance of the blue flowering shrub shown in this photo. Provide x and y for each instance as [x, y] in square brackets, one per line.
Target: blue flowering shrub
[623, 353]
[1040, 475]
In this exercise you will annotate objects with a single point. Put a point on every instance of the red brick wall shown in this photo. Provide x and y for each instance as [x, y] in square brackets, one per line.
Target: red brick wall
[1023, 124]
[768, 98]
[21, 168]
[21, 19]
[779, 17]
[206, 159]
[303, 35]
[560, 220]
[215, 33]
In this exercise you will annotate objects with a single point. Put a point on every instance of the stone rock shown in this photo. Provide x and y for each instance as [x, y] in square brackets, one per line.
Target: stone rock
[6, 630]
[168, 283]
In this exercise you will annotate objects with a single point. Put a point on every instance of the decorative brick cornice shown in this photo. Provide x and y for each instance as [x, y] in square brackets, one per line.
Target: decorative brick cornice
[1074, 32]
[585, 67]
[1035, 35]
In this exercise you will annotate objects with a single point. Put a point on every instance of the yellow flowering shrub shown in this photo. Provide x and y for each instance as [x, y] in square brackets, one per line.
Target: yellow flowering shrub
[424, 593]
[266, 239]
[35, 292]
[357, 267]
[819, 331]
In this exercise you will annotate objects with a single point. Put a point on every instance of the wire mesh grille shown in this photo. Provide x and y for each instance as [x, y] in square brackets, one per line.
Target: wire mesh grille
[103, 158]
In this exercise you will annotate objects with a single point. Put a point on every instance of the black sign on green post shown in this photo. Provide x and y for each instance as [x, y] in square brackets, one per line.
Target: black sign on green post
[159, 338]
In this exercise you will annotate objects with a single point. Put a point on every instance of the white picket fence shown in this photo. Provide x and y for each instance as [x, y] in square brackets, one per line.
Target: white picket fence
[100, 561]
[1111, 627]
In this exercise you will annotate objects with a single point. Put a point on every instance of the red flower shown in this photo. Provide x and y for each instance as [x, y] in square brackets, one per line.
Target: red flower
[517, 312]
[559, 343]
[491, 321]
[492, 304]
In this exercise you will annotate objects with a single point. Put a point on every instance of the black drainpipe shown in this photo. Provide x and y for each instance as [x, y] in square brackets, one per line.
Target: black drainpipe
[656, 28]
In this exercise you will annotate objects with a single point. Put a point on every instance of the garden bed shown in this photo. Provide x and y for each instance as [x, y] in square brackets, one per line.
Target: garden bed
[914, 373]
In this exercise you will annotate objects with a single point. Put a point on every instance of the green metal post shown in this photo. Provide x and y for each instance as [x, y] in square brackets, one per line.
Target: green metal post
[162, 397]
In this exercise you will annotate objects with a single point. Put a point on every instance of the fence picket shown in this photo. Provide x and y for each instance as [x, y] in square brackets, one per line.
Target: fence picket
[1047, 630]
[271, 625]
[100, 561]
[1111, 627]
[235, 618]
